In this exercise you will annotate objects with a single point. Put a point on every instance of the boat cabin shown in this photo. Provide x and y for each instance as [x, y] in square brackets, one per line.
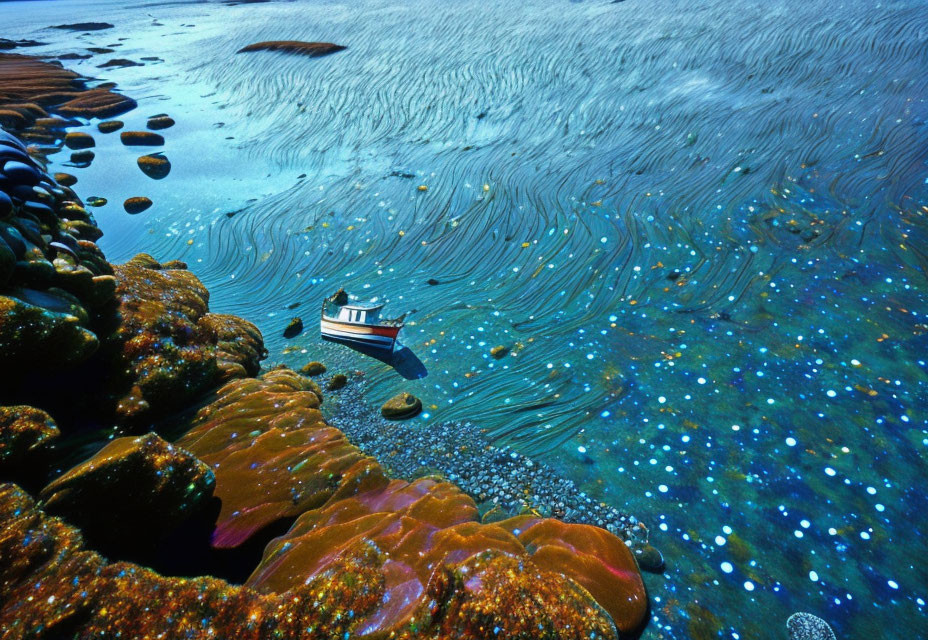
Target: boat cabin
[360, 313]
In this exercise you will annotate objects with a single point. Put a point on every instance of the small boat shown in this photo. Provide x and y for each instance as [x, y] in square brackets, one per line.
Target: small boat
[358, 322]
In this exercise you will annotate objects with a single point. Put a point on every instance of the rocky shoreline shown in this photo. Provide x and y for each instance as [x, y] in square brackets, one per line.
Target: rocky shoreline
[503, 482]
[215, 469]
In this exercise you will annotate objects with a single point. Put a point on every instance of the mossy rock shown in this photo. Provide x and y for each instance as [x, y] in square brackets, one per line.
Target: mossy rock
[161, 121]
[314, 368]
[337, 381]
[79, 140]
[136, 204]
[401, 406]
[65, 179]
[37, 338]
[141, 139]
[109, 126]
[155, 166]
[293, 328]
[132, 490]
[23, 431]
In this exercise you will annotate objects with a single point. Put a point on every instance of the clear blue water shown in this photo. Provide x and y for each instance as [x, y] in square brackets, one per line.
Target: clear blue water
[702, 228]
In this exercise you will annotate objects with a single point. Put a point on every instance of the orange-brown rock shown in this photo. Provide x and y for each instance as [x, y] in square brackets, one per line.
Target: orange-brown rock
[167, 344]
[275, 458]
[136, 204]
[65, 179]
[155, 166]
[109, 126]
[594, 558]
[311, 49]
[23, 430]
[24, 79]
[141, 139]
[78, 140]
[54, 587]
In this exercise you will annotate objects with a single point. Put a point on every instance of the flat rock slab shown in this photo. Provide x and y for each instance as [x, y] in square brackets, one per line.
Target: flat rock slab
[311, 49]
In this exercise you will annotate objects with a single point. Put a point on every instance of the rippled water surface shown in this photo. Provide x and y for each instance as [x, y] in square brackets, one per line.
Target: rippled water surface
[700, 227]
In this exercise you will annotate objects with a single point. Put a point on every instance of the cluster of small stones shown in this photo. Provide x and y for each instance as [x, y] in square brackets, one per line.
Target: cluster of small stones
[502, 481]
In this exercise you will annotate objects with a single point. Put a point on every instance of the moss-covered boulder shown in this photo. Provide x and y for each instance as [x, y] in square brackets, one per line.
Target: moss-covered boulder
[401, 406]
[133, 489]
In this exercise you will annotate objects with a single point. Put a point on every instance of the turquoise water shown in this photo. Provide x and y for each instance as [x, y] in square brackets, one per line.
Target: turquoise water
[701, 228]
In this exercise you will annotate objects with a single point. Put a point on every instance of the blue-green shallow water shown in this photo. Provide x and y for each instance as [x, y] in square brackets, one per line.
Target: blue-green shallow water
[701, 226]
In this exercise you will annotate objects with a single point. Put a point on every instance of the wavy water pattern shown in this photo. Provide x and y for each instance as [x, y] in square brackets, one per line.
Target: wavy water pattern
[673, 111]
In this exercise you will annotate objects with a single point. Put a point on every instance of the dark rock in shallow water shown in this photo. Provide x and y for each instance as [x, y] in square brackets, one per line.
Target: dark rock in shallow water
[160, 122]
[293, 328]
[65, 179]
[649, 559]
[155, 166]
[805, 626]
[141, 139]
[113, 495]
[82, 158]
[79, 140]
[84, 26]
[137, 204]
[119, 62]
[6, 44]
[313, 369]
[401, 407]
[337, 381]
[109, 126]
[311, 49]
[96, 201]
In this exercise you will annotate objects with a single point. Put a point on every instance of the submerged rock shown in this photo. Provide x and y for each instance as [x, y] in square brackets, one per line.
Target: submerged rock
[113, 495]
[649, 559]
[313, 368]
[337, 381]
[119, 62]
[162, 121]
[79, 140]
[155, 166]
[141, 139]
[136, 204]
[109, 126]
[84, 26]
[82, 158]
[311, 49]
[293, 328]
[401, 406]
[65, 179]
